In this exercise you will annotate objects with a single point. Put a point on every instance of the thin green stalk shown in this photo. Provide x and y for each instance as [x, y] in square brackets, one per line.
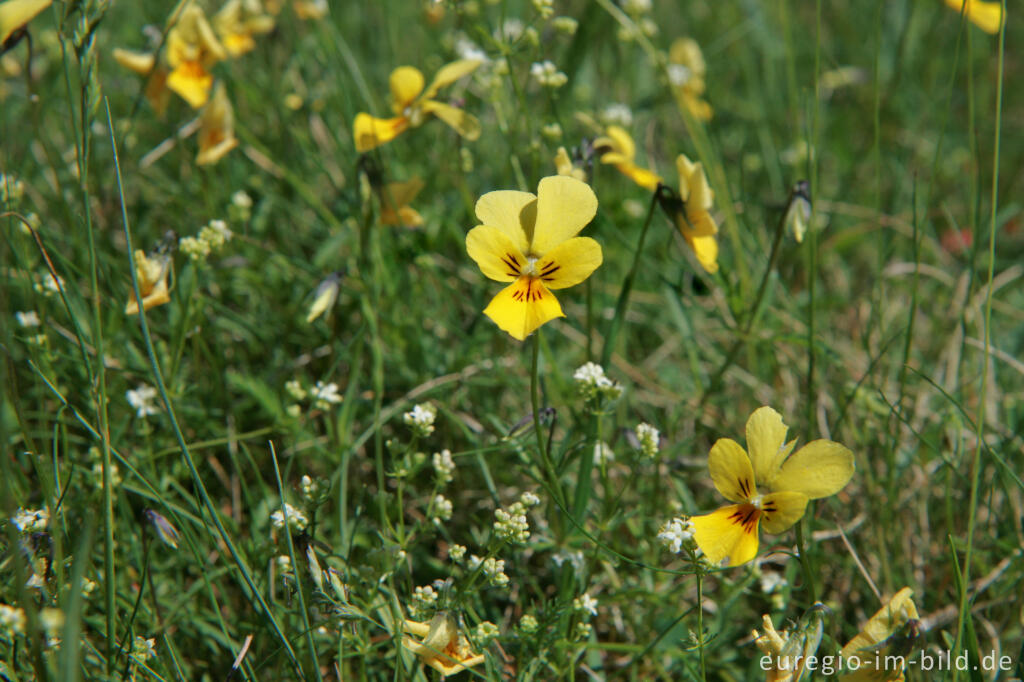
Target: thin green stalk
[154, 364]
[548, 467]
[805, 562]
[627, 287]
[700, 626]
[812, 234]
[975, 474]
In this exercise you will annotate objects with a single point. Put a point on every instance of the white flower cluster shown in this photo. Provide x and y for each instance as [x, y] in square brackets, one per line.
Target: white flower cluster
[512, 525]
[12, 620]
[617, 114]
[592, 383]
[142, 399]
[442, 507]
[143, 649]
[547, 75]
[528, 624]
[444, 466]
[421, 419]
[31, 520]
[309, 488]
[11, 188]
[649, 438]
[675, 533]
[493, 569]
[325, 395]
[212, 237]
[423, 599]
[544, 7]
[585, 604]
[603, 453]
[241, 206]
[297, 519]
[457, 552]
[48, 285]
[27, 319]
[485, 632]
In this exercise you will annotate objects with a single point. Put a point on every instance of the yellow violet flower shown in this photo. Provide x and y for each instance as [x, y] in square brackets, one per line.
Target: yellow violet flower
[819, 469]
[531, 241]
[394, 203]
[191, 49]
[694, 221]
[441, 645]
[152, 272]
[889, 637]
[14, 14]
[565, 166]
[616, 147]
[686, 71]
[216, 128]
[238, 21]
[988, 16]
[413, 105]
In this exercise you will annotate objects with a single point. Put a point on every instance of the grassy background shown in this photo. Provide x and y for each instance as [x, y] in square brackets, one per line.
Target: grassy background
[872, 332]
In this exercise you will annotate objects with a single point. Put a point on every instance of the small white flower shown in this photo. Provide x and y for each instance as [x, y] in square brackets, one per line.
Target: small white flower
[486, 631]
[12, 620]
[511, 30]
[47, 285]
[772, 581]
[528, 624]
[325, 395]
[457, 552]
[649, 438]
[529, 499]
[467, 49]
[566, 25]
[142, 399]
[31, 520]
[241, 199]
[547, 75]
[617, 114]
[511, 525]
[603, 453]
[143, 649]
[585, 603]
[297, 519]
[421, 419]
[195, 249]
[444, 466]
[442, 508]
[28, 318]
[295, 389]
[592, 382]
[216, 234]
[679, 75]
[674, 533]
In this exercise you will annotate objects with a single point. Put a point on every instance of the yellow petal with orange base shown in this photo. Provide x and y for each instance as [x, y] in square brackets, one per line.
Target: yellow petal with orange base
[370, 132]
[192, 82]
[497, 255]
[730, 532]
[522, 307]
[731, 471]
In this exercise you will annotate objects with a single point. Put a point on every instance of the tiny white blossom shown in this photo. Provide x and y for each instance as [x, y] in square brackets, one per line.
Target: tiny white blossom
[679, 75]
[241, 199]
[649, 438]
[325, 395]
[512, 525]
[467, 49]
[486, 631]
[603, 453]
[28, 318]
[674, 533]
[12, 620]
[547, 75]
[297, 519]
[31, 520]
[592, 382]
[216, 234]
[143, 649]
[295, 389]
[457, 552]
[586, 603]
[617, 114]
[421, 419]
[444, 466]
[142, 399]
[529, 499]
[772, 581]
[195, 249]
[442, 508]
[511, 30]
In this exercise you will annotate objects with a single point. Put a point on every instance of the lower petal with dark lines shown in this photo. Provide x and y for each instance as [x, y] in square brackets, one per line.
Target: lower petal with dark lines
[730, 532]
[523, 306]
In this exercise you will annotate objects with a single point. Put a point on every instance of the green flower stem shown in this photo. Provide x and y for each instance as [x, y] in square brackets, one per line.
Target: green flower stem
[549, 468]
[700, 626]
[627, 287]
[805, 563]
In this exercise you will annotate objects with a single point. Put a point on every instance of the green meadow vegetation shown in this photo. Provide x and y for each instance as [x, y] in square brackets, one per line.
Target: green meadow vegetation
[309, 454]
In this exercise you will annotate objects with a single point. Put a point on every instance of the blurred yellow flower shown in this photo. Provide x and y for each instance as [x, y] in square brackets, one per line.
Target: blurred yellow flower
[191, 49]
[14, 14]
[395, 198]
[686, 71]
[413, 105]
[887, 639]
[216, 128]
[145, 64]
[565, 166]
[310, 9]
[325, 296]
[988, 16]
[152, 272]
[616, 147]
[694, 221]
[819, 469]
[531, 241]
[441, 645]
[238, 21]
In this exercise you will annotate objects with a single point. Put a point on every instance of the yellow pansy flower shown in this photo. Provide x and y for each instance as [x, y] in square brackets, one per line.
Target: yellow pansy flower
[531, 241]
[216, 128]
[616, 147]
[441, 645]
[191, 49]
[237, 22]
[889, 637]
[145, 64]
[686, 72]
[413, 105]
[152, 272]
[14, 14]
[988, 16]
[694, 221]
[819, 469]
[565, 166]
[395, 198]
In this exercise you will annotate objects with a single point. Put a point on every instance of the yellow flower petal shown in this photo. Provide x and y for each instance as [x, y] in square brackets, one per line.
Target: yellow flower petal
[192, 82]
[641, 176]
[449, 73]
[985, 15]
[564, 207]
[406, 85]
[699, 230]
[766, 437]
[731, 471]
[693, 185]
[619, 142]
[497, 255]
[728, 532]
[465, 124]
[706, 250]
[217, 128]
[523, 306]
[818, 469]
[370, 132]
[569, 263]
[395, 199]
[886, 620]
[512, 212]
[779, 511]
[141, 63]
[16, 13]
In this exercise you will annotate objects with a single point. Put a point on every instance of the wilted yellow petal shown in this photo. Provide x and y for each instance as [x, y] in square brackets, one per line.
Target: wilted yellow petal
[216, 128]
[370, 132]
[512, 212]
[465, 124]
[406, 85]
[886, 620]
[818, 469]
[728, 532]
[766, 437]
[781, 510]
[449, 73]
[522, 307]
[141, 63]
[16, 13]
[697, 193]
[731, 471]
[569, 263]
[497, 255]
[395, 198]
[564, 207]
